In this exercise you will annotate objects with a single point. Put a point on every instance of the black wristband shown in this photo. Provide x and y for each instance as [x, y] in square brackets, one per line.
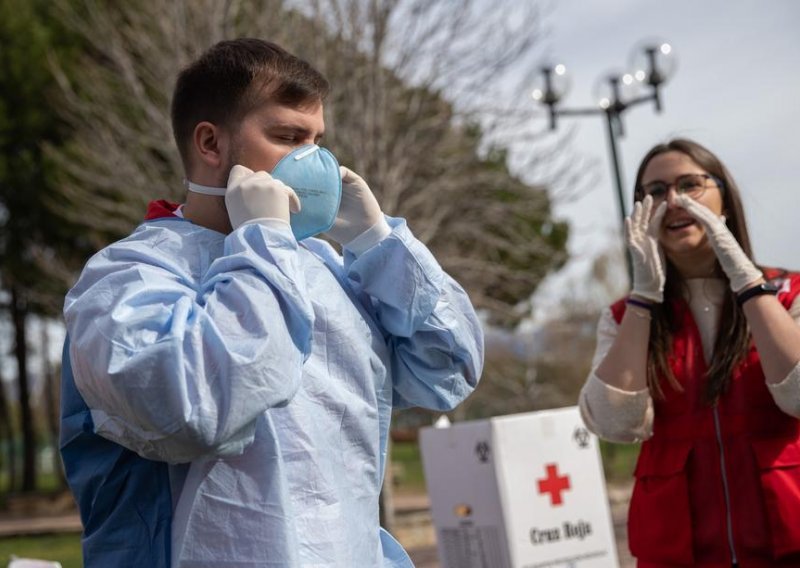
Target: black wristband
[639, 304]
[757, 290]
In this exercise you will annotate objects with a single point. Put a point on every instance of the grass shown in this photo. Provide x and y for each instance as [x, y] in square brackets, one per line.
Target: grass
[63, 548]
[407, 464]
[619, 460]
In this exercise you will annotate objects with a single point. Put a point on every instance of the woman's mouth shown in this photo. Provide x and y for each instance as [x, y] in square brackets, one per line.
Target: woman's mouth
[679, 224]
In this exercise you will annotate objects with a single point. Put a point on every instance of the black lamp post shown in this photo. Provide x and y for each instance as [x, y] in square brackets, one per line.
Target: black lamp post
[652, 64]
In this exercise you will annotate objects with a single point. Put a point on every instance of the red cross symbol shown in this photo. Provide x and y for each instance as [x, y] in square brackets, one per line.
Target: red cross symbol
[554, 484]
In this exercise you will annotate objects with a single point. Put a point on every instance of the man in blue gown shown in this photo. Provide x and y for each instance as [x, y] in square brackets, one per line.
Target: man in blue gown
[227, 388]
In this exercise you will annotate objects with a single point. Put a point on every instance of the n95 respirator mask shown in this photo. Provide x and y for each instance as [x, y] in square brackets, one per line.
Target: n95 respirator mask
[313, 173]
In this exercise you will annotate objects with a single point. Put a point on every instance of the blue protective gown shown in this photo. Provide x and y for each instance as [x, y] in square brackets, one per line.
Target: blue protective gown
[264, 372]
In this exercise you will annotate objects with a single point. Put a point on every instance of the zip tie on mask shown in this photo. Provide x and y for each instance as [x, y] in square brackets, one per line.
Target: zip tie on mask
[204, 189]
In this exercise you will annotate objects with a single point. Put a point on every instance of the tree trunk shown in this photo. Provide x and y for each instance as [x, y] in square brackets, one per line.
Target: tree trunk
[7, 435]
[19, 314]
[51, 399]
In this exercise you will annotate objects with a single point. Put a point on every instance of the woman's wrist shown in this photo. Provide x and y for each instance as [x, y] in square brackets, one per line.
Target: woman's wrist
[640, 307]
[644, 303]
[759, 288]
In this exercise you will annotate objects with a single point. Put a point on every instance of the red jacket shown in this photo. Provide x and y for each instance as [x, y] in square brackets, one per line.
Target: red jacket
[717, 481]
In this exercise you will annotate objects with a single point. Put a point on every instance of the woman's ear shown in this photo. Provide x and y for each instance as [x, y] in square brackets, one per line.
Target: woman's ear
[209, 143]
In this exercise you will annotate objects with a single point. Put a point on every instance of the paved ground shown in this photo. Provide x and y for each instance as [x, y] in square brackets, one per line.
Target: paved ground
[40, 525]
[39, 514]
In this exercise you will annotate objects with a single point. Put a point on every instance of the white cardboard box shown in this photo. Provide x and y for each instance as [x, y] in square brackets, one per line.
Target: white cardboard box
[519, 491]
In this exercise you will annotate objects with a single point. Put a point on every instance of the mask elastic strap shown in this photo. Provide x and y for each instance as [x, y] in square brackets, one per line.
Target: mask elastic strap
[204, 189]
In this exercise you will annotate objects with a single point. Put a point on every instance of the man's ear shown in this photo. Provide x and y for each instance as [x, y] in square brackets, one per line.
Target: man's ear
[210, 144]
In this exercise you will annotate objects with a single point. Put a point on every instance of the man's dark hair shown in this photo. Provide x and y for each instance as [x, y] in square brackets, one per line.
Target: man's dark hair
[234, 77]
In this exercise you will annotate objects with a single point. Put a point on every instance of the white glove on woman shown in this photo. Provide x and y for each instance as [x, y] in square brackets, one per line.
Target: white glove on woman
[734, 262]
[256, 196]
[641, 233]
[358, 211]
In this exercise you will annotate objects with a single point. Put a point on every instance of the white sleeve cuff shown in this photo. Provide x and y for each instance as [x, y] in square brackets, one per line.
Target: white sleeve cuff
[615, 414]
[787, 392]
[369, 238]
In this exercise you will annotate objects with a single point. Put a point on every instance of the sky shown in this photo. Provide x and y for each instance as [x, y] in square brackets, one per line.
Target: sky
[736, 90]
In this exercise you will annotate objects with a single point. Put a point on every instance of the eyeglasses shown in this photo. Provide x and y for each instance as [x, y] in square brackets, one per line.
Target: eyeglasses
[691, 185]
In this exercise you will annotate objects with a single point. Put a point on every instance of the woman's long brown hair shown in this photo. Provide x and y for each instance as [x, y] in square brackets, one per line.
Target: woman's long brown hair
[733, 338]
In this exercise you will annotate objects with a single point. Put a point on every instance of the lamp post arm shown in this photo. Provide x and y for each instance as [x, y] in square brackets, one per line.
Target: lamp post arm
[579, 111]
[612, 146]
[654, 96]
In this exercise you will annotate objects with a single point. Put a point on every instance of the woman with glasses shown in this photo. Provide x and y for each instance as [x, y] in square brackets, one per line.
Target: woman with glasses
[700, 363]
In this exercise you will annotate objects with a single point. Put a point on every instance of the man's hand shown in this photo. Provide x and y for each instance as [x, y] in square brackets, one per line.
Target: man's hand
[358, 211]
[739, 269]
[641, 233]
[255, 196]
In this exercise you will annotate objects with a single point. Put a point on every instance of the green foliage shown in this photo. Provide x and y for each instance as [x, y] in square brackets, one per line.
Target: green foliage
[33, 240]
[65, 549]
[619, 460]
[407, 462]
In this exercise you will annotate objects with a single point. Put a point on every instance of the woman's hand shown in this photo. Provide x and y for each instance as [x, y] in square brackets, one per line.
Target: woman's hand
[641, 234]
[737, 266]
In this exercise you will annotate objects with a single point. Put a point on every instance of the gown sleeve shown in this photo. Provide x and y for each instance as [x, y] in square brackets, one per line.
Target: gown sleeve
[176, 365]
[435, 337]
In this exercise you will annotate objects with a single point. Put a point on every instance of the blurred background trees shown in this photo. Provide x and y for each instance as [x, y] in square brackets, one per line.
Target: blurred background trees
[420, 107]
[399, 70]
[39, 251]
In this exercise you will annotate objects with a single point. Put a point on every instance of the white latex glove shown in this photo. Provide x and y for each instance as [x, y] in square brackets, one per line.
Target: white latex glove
[257, 196]
[641, 233]
[358, 211]
[740, 270]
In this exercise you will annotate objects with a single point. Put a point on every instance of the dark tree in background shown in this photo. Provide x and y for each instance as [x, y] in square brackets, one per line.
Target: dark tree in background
[38, 250]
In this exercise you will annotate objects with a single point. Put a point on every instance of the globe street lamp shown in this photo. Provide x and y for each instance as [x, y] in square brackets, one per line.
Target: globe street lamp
[652, 63]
